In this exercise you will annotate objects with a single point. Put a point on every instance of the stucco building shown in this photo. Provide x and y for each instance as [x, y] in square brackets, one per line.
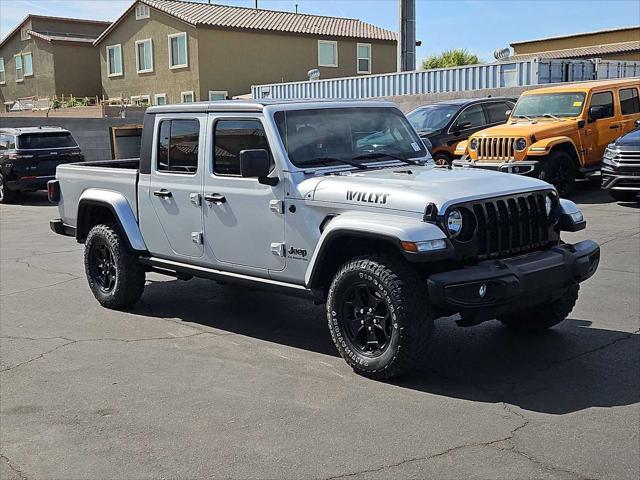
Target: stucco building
[48, 56]
[613, 44]
[169, 51]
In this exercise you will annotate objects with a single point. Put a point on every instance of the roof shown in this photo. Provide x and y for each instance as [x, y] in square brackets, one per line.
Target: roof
[225, 16]
[260, 105]
[21, 130]
[469, 101]
[581, 52]
[63, 37]
[584, 86]
[45, 17]
[571, 35]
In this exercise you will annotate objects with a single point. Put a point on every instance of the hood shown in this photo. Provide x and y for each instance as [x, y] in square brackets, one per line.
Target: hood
[541, 129]
[631, 139]
[411, 188]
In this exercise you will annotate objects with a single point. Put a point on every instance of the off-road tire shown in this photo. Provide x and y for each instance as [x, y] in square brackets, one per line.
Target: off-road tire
[625, 195]
[412, 320]
[6, 195]
[559, 170]
[442, 159]
[129, 275]
[545, 316]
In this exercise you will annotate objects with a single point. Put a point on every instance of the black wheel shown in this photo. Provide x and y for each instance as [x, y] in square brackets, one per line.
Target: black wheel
[114, 274]
[442, 159]
[625, 195]
[378, 316]
[544, 316]
[559, 170]
[6, 195]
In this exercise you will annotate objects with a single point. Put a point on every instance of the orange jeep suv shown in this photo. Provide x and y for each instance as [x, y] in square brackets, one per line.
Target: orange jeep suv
[557, 133]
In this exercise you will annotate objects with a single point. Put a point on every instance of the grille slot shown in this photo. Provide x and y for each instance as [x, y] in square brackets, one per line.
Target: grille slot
[508, 226]
[496, 148]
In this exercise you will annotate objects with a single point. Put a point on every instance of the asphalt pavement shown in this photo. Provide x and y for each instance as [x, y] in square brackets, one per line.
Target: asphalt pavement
[200, 380]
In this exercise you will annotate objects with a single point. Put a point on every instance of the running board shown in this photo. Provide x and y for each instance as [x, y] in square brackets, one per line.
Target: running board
[184, 269]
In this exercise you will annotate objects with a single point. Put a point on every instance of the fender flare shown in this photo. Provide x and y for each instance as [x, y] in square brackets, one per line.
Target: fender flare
[390, 228]
[121, 210]
[544, 146]
[461, 148]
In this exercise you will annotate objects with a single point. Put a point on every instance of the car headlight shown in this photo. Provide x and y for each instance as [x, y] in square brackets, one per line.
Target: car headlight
[610, 153]
[473, 144]
[454, 222]
[521, 144]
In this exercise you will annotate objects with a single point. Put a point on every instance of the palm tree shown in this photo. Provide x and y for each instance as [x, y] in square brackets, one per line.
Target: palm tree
[454, 57]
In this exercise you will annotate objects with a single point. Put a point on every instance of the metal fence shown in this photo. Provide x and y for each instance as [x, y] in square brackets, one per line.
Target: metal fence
[470, 77]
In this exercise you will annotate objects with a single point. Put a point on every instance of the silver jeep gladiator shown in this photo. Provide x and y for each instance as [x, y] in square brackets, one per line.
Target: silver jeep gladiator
[337, 201]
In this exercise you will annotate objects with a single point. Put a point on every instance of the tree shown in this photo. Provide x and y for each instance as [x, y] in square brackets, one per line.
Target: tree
[455, 57]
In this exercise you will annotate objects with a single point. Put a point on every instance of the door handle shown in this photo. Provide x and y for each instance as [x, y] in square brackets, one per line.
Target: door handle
[215, 198]
[163, 193]
[613, 127]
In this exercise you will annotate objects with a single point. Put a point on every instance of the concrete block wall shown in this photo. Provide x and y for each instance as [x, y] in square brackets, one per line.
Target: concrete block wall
[92, 134]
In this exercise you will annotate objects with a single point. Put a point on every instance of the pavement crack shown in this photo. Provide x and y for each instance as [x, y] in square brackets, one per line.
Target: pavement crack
[13, 468]
[33, 289]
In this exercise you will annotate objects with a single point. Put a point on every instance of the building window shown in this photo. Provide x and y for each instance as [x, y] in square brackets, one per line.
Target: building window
[19, 69]
[27, 64]
[142, 11]
[114, 60]
[327, 53]
[161, 98]
[629, 102]
[178, 146]
[217, 95]
[230, 137]
[187, 97]
[364, 57]
[144, 56]
[3, 78]
[178, 56]
[24, 33]
[141, 100]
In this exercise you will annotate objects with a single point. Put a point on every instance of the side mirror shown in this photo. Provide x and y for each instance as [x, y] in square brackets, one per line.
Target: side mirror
[461, 126]
[597, 112]
[637, 123]
[507, 114]
[256, 164]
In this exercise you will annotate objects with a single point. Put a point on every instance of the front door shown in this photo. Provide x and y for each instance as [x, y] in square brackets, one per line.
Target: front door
[176, 184]
[602, 132]
[243, 219]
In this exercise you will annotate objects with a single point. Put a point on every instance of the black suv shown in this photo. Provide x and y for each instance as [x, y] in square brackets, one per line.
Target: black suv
[29, 157]
[621, 167]
[446, 123]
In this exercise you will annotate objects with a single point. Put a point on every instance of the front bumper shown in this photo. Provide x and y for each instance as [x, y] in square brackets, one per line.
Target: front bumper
[30, 183]
[494, 287]
[621, 178]
[520, 167]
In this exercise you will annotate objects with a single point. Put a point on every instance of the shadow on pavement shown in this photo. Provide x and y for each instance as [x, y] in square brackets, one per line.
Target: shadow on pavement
[569, 368]
[32, 199]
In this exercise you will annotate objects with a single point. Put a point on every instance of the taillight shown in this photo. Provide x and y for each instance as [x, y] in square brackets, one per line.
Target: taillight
[19, 156]
[53, 191]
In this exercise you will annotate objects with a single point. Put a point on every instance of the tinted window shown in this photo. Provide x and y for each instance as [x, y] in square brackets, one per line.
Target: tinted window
[629, 101]
[497, 111]
[603, 99]
[432, 117]
[33, 141]
[178, 146]
[230, 138]
[473, 115]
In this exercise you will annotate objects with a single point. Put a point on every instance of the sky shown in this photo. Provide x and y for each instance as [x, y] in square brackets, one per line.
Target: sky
[479, 26]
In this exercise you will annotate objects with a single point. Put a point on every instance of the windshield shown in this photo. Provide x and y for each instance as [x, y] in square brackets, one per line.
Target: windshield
[550, 104]
[327, 135]
[431, 117]
[36, 141]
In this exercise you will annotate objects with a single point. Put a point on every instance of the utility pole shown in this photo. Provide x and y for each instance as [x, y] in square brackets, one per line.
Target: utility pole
[407, 36]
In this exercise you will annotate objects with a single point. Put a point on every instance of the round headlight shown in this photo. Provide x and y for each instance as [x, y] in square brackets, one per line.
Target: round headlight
[454, 222]
[473, 144]
[521, 144]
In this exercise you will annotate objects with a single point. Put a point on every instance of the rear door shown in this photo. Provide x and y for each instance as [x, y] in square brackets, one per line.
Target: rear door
[176, 184]
[496, 112]
[604, 130]
[629, 108]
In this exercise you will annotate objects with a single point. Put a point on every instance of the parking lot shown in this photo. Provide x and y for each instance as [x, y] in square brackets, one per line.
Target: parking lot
[205, 380]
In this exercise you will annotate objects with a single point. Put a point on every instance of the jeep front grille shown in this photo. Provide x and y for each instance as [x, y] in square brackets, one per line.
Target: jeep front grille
[507, 226]
[495, 148]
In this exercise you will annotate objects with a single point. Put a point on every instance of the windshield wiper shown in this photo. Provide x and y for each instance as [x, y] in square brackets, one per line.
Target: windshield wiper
[524, 116]
[374, 155]
[326, 160]
[550, 115]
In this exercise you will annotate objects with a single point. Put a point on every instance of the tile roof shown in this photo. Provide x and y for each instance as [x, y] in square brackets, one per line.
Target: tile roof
[584, 52]
[57, 19]
[63, 37]
[225, 16]
[581, 34]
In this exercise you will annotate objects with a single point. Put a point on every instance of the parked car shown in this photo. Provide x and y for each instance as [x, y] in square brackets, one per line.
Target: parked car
[335, 201]
[445, 124]
[557, 133]
[621, 167]
[29, 157]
